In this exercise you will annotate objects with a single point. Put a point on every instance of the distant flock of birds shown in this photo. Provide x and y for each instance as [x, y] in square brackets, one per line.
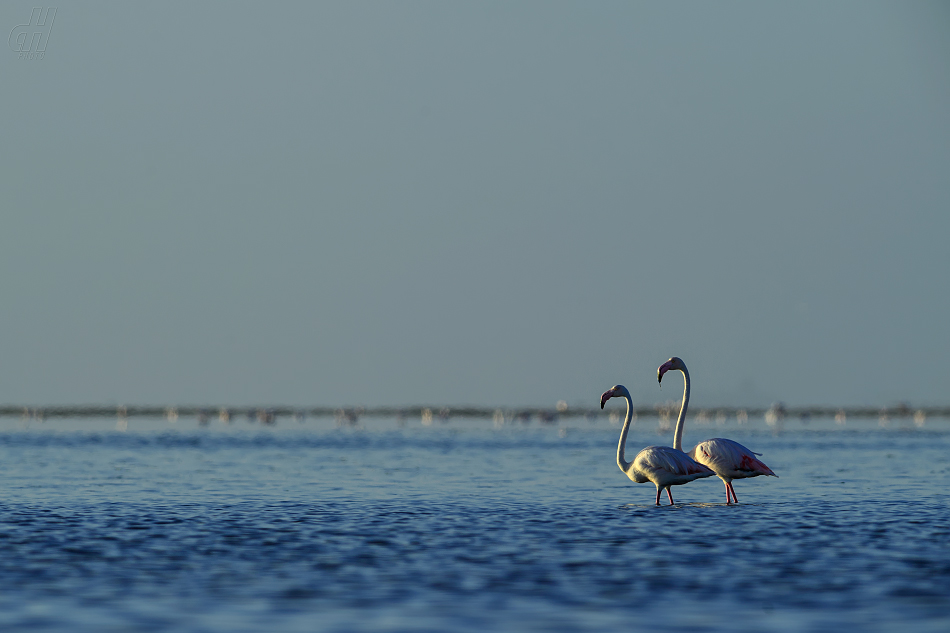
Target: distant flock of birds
[666, 467]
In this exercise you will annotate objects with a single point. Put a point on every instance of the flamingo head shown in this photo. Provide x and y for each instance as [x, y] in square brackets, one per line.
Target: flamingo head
[617, 391]
[674, 363]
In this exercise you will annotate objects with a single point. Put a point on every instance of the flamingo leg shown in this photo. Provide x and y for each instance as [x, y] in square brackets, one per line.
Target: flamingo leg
[728, 498]
[733, 490]
[670, 495]
[657, 495]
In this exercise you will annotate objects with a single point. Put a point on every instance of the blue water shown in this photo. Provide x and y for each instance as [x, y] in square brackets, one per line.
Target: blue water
[464, 527]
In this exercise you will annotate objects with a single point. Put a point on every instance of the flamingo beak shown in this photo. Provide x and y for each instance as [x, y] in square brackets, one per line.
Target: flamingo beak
[665, 367]
[607, 395]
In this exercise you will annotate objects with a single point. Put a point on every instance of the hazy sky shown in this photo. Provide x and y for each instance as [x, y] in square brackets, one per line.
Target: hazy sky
[476, 202]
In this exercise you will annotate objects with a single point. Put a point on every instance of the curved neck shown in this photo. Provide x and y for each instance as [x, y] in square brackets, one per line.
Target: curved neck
[681, 421]
[624, 464]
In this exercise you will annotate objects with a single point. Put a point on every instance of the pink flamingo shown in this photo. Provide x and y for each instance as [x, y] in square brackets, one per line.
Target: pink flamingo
[728, 459]
[662, 465]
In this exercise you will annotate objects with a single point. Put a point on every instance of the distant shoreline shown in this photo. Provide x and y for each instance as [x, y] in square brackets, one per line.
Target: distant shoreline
[523, 414]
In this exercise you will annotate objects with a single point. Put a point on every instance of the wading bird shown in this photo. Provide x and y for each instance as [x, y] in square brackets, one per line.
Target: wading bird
[662, 465]
[729, 460]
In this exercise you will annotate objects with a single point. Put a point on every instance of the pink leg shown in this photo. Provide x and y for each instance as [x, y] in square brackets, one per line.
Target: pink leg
[734, 498]
[657, 495]
[670, 495]
[728, 498]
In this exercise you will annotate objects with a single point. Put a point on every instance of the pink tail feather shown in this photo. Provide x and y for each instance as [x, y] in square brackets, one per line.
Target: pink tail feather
[754, 465]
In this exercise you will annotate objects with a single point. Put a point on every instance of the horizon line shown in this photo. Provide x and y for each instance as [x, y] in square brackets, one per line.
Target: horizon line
[268, 413]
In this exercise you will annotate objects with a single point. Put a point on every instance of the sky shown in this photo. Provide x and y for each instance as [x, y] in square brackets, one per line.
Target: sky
[488, 203]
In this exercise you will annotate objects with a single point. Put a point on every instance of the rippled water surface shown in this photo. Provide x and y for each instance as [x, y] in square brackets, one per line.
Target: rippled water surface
[307, 527]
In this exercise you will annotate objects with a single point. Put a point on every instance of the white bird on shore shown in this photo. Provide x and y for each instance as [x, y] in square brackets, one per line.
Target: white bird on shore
[728, 459]
[662, 465]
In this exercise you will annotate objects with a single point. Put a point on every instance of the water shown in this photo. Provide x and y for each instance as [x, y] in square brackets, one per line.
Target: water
[464, 527]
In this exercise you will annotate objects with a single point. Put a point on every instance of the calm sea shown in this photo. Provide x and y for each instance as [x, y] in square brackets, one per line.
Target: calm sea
[465, 527]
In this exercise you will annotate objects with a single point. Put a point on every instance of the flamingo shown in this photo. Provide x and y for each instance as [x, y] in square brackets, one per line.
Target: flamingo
[662, 465]
[728, 459]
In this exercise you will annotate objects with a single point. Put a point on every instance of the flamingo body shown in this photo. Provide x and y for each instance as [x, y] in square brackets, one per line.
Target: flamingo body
[729, 460]
[665, 467]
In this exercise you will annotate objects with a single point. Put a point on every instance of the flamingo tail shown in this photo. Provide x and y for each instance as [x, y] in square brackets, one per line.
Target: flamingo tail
[754, 465]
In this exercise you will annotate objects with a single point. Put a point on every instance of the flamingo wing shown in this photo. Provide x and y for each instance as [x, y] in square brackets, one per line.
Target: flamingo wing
[729, 459]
